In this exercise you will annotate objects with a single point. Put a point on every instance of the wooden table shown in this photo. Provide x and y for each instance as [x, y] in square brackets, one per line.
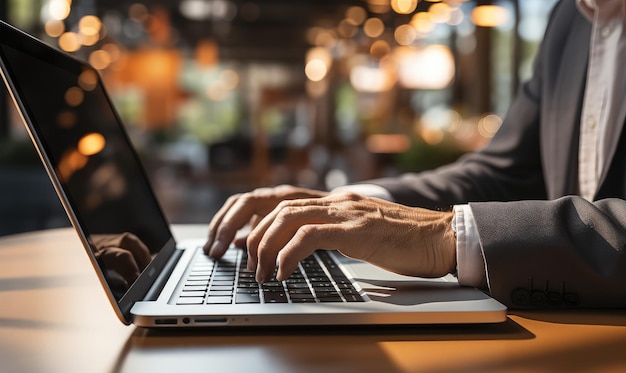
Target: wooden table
[54, 317]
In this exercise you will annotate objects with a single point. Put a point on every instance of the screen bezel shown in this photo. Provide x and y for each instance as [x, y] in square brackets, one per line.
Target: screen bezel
[19, 40]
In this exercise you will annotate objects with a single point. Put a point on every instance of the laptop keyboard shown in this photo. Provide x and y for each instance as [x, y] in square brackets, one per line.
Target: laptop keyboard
[318, 279]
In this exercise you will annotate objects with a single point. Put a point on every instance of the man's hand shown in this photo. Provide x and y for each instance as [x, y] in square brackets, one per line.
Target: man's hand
[123, 253]
[405, 240]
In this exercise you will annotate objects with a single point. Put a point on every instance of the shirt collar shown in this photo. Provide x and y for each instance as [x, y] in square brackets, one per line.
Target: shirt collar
[607, 9]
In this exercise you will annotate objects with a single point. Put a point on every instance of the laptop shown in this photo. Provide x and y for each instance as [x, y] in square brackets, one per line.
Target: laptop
[153, 281]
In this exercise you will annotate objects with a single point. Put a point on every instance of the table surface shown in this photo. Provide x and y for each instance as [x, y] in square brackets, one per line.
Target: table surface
[55, 317]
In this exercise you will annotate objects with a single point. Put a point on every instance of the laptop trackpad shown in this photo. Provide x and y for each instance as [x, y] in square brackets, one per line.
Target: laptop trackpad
[387, 287]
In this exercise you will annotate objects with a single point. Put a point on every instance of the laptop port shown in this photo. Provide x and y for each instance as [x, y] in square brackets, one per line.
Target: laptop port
[211, 320]
[165, 321]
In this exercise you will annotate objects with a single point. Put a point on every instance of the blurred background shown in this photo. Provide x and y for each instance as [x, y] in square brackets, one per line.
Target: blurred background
[223, 96]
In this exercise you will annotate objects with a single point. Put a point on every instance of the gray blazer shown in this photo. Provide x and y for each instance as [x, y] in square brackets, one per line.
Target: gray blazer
[543, 246]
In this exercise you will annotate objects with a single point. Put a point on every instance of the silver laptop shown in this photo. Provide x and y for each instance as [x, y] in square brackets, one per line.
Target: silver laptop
[153, 281]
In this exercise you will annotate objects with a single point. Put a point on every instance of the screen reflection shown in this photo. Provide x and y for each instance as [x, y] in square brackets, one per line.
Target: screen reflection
[91, 156]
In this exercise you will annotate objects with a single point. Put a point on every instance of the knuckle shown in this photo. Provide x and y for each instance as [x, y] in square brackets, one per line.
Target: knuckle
[285, 204]
[287, 213]
[348, 196]
[351, 196]
[306, 233]
[260, 192]
[283, 188]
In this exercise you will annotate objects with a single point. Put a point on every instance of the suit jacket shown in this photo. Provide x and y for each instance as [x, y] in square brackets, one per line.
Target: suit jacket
[543, 245]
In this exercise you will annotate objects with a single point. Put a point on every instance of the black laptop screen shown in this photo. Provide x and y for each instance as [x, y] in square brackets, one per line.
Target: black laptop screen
[92, 158]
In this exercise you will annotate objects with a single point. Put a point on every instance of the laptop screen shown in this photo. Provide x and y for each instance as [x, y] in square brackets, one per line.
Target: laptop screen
[91, 156]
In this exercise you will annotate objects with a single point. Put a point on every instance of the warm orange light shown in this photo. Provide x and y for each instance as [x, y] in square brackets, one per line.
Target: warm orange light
[489, 125]
[88, 80]
[89, 40]
[326, 38]
[422, 23]
[378, 6]
[100, 59]
[380, 49]
[91, 144]
[315, 70]
[58, 9]
[356, 15]
[372, 79]
[347, 28]
[403, 6]
[74, 96]
[489, 15]
[54, 28]
[387, 143]
[113, 50]
[430, 67]
[89, 25]
[405, 34]
[70, 41]
[71, 162]
[373, 27]
[440, 12]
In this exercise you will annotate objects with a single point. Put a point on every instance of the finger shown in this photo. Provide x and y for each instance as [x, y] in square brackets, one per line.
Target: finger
[307, 239]
[277, 230]
[234, 219]
[217, 219]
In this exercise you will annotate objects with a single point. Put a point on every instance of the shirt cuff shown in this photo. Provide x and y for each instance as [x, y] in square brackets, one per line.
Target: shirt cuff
[369, 190]
[469, 254]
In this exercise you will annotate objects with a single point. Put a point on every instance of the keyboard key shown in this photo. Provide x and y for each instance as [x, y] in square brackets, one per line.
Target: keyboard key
[247, 298]
[330, 299]
[194, 288]
[272, 297]
[221, 287]
[219, 300]
[192, 294]
[301, 296]
[197, 300]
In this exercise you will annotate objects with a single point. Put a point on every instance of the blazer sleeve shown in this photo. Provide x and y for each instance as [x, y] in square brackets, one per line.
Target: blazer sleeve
[563, 253]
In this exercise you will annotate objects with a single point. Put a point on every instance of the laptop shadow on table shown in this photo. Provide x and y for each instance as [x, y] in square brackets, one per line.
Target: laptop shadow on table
[606, 317]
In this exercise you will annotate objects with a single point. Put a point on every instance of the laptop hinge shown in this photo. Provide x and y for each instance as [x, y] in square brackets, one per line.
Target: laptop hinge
[161, 280]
